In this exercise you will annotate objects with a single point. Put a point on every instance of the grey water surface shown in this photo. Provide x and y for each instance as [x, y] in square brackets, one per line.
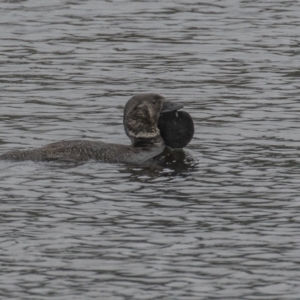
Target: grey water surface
[226, 224]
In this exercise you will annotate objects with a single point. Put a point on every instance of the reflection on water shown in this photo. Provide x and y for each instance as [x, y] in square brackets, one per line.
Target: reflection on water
[223, 223]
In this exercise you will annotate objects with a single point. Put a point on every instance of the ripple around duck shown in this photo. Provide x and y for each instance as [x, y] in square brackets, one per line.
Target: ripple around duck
[222, 226]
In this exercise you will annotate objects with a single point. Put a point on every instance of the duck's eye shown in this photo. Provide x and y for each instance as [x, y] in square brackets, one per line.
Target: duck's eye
[156, 98]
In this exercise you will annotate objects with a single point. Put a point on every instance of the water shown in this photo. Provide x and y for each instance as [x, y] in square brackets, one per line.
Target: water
[226, 226]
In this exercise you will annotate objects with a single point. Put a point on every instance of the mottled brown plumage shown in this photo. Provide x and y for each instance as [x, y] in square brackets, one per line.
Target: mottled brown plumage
[82, 150]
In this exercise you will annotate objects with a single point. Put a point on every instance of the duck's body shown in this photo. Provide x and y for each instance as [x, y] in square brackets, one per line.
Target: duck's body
[141, 116]
[83, 150]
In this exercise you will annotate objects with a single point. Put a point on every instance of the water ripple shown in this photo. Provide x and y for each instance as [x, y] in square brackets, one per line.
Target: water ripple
[222, 226]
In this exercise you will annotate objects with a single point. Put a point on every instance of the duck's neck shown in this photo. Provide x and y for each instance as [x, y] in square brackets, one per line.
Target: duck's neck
[147, 142]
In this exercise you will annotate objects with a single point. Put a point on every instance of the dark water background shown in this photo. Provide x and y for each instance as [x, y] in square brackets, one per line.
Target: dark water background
[224, 227]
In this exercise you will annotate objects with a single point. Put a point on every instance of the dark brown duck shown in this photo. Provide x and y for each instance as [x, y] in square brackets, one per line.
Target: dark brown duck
[148, 121]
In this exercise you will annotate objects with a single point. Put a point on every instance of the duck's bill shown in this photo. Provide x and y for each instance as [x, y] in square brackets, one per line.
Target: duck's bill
[170, 106]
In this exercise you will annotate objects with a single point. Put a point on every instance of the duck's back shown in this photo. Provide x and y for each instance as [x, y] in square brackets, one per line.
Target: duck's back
[83, 150]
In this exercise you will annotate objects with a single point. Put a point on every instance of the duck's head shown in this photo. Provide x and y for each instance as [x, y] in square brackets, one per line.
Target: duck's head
[150, 119]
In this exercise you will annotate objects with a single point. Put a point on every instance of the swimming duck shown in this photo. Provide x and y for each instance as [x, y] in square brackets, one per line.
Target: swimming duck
[151, 122]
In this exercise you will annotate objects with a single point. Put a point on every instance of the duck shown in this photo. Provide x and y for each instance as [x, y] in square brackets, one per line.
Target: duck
[154, 125]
